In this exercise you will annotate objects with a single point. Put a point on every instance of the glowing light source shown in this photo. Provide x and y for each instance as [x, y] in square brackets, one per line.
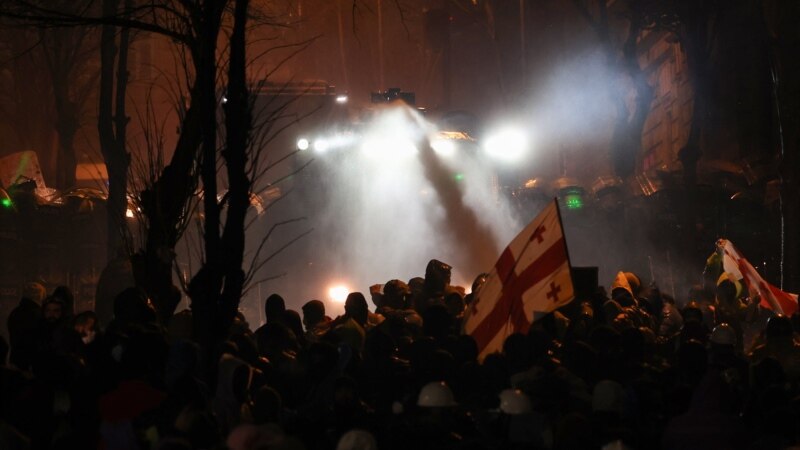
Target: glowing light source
[392, 135]
[459, 177]
[572, 197]
[129, 213]
[320, 145]
[302, 144]
[573, 201]
[338, 293]
[341, 99]
[387, 148]
[6, 202]
[507, 144]
[443, 147]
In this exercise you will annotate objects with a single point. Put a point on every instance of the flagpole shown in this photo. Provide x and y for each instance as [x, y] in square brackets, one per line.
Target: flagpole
[503, 301]
[566, 252]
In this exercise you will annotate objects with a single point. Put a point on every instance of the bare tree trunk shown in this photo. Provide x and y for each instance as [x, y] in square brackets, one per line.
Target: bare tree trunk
[217, 287]
[67, 127]
[165, 203]
[67, 162]
[61, 62]
[237, 123]
[112, 127]
[118, 189]
[206, 285]
[207, 75]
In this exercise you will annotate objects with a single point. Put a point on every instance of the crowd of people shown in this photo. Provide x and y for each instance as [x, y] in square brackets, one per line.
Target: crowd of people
[628, 368]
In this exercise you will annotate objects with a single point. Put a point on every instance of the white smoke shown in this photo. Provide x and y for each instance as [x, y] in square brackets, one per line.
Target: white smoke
[389, 209]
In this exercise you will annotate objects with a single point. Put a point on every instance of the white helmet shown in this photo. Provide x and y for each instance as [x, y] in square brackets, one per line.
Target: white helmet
[514, 401]
[723, 334]
[357, 440]
[436, 395]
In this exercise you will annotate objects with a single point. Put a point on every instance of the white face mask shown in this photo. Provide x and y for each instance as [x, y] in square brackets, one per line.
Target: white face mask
[88, 338]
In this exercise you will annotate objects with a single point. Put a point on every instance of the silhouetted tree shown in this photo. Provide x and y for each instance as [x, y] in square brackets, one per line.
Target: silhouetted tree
[112, 122]
[195, 27]
[66, 71]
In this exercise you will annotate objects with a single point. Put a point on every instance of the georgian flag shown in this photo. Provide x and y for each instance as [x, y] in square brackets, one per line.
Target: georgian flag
[771, 297]
[531, 278]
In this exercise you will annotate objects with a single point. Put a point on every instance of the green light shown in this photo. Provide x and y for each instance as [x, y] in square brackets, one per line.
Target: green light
[459, 177]
[6, 202]
[573, 201]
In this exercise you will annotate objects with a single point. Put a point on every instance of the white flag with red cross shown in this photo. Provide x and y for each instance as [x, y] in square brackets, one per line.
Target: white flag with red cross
[773, 298]
[531, 278]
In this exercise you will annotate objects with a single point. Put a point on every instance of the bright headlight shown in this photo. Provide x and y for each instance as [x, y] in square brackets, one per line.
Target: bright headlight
[507, 144]
[320, 145]
[302, 144]
[443, 147]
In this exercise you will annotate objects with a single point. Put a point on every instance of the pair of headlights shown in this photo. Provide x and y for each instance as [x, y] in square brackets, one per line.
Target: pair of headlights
[506, 144]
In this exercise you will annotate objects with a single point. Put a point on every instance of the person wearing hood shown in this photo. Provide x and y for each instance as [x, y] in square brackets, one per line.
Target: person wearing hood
[625, 290]
[230, 403]
[317, 324]
[435, 286]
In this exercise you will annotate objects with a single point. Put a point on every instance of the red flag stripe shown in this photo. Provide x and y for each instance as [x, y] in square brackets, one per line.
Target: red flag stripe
[510, 303]
[771, 297]
[788, 304]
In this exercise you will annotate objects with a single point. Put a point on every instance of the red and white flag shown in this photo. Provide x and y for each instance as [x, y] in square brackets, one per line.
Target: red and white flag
[771, 297]
[531, 278]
